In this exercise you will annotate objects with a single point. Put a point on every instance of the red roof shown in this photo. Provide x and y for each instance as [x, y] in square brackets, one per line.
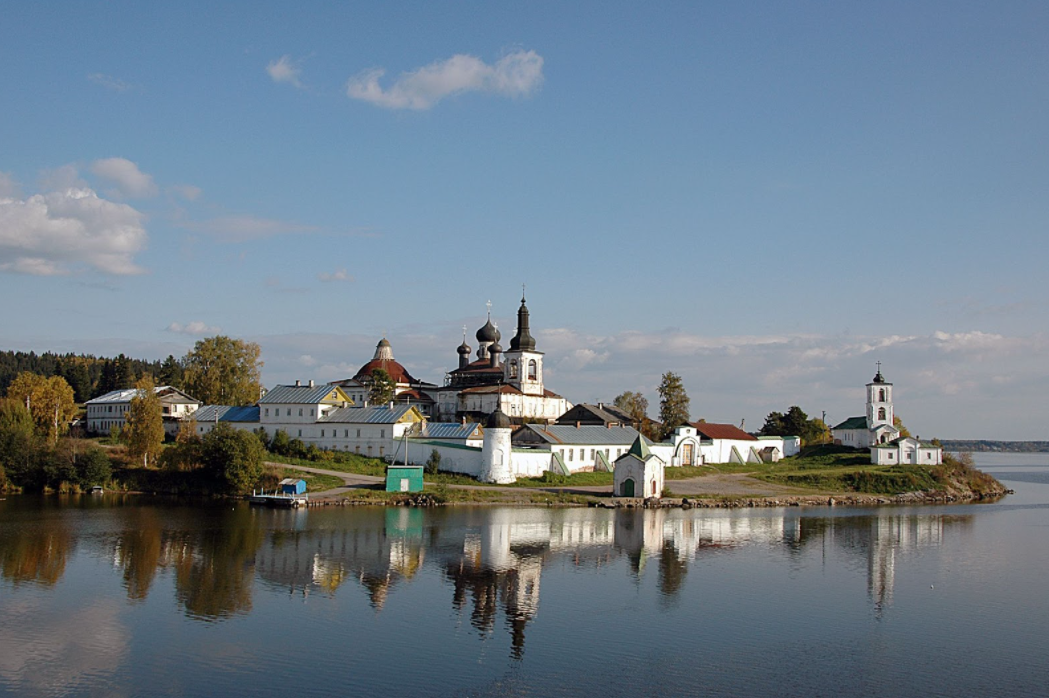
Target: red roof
[722, 431]
[396, 371]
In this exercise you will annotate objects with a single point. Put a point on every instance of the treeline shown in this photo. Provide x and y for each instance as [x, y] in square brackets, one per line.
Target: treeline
[985, 445]
[89, 376]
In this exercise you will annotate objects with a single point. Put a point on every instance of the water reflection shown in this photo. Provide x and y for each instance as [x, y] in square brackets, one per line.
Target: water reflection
[491, 559]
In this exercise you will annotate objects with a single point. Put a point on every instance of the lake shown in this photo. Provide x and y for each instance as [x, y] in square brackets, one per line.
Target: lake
[130, 595]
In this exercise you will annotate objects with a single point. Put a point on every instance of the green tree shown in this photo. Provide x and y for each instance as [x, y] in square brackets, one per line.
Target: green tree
[18, 442]
[635, 405]
[433, 463]
[280, 444]
[93, 468]
[233, 457]
[381, 387]
[796, 423]
[673, 403]
[223, 371]
[145, 423]
[170, 372]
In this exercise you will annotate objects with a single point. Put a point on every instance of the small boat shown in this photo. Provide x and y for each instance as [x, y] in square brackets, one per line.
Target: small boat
[97, 489]
[278, 499]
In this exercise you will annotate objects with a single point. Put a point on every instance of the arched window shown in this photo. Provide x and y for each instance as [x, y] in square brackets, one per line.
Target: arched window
[881, 413]
[533, 369]
[513, 368]
[881, 394]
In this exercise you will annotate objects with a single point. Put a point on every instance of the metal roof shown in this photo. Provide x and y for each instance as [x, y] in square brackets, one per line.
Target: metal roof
[853, 423]
[383, 414]
[451, 430]
[226, 413]
[125, 395]
[585, 434]
[299, 394]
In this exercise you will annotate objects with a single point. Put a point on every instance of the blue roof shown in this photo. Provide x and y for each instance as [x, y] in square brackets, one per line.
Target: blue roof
[226, 413]
[298, 394]
[383, 414]
[451, 430]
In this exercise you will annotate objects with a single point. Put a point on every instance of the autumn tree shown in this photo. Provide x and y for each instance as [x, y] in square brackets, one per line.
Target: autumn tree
[50, 401]
[223, 371]
[898, 423]
[635, 405]
[673, 403]
[144, 431]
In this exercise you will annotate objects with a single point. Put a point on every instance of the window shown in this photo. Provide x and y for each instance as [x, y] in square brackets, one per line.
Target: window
[289, 411]
[382, 433]
[300, 411]
[300, 432]
[322, 433]
[881, 413]
[533, 369]
[345, 433]
[267, 412]
[570, 452]
[357, 448]
[513, 368]
[358, 433]
[881, 395]
[311, 411]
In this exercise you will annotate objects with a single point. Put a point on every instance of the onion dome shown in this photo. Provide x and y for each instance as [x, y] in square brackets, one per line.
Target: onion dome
[523, 340]
[383, 351]
[498, 420]
[464, 349]
[489, 333]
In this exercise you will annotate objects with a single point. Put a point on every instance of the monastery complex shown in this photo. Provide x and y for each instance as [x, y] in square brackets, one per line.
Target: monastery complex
[495, 419]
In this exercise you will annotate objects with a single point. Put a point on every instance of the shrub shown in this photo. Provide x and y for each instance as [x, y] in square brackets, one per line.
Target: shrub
[433, 463]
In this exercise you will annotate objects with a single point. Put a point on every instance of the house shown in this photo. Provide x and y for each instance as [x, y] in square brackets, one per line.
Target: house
[906, 450]
[110, 410]
[599, 414]
[244, 418]
[638, 472]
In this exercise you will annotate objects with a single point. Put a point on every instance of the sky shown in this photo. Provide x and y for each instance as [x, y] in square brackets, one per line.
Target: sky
[764, 198]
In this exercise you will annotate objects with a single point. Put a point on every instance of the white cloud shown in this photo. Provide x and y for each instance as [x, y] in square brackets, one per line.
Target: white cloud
[130, 181]
[195, 328]
[9, 188]
[517, 74]
[61, 178]
[284, 69]
[337, 275]
[109, 82]
[49, 234]
[244, 228]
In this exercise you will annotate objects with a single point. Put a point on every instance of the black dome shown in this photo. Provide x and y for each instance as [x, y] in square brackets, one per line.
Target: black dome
[498, 420]
[488, 333]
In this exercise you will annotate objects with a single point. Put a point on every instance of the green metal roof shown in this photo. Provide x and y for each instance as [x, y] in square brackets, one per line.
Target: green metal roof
[853, 423]
[639, 448]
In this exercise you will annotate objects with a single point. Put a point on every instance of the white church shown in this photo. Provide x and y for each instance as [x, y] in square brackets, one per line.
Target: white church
[876, 431]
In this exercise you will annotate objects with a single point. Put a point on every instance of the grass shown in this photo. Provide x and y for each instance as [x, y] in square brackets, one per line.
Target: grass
[547, 479]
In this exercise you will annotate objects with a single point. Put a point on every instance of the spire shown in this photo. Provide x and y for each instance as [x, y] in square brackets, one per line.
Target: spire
[639, 448]
[523, 340]
[878, 378]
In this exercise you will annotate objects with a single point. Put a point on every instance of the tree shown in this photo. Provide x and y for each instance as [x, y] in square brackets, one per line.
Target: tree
[170, 372]
[796, 423]
[673, 403]
[635, 405]
[145, 423]
[898, 423]
[380, 387]
[93, 468]
[223, 371]
[280, 443]
[49, 400]
[18, 445]
[433, 463]
[233, 457]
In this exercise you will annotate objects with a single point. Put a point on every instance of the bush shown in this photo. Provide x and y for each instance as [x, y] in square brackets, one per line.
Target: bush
[232, 457]
[93, 468]
[433, 463]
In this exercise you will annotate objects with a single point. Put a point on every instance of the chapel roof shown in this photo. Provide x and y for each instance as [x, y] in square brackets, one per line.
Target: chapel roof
[710, 430]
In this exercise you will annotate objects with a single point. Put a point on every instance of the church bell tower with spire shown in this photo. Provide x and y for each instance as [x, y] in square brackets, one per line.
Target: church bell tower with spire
[523, 365]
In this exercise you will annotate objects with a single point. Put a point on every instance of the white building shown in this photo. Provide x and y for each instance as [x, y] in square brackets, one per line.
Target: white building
[876, 431]
[110, 410]
[639, 472]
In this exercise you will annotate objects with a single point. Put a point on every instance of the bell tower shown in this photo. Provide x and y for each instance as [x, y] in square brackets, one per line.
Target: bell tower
[523, 365]
[879, 401]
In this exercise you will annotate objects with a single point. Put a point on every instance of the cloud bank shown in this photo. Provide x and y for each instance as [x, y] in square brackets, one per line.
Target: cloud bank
[517, 74]
[58, 232]
[284, 69]
[194, 329]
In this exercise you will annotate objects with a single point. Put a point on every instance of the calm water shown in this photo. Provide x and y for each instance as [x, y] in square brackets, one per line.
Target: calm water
[133, 596]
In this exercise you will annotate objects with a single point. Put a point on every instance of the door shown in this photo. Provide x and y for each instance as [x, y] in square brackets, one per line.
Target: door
[686, 454]
[628, 488]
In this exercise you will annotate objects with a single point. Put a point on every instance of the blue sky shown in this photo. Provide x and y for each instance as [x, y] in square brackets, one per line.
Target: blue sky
[766, 198]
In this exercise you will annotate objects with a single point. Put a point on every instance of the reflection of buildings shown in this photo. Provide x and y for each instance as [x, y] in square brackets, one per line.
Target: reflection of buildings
[888, 535]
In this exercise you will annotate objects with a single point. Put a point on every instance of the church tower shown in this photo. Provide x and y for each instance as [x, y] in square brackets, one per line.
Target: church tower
[523, 365]
[879, 401]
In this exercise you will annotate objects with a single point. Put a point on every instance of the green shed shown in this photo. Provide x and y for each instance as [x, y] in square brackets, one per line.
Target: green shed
[404, 478]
